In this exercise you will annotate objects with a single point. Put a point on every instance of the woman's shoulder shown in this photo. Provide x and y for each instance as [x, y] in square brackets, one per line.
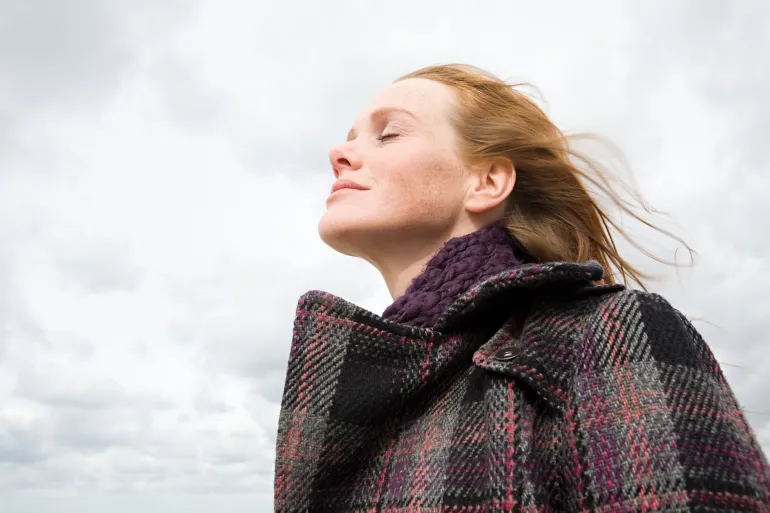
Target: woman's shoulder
[641, 368]
[634, 324]
[650, 321]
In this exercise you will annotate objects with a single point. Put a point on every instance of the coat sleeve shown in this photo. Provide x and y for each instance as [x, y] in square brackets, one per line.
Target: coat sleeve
[652, 424]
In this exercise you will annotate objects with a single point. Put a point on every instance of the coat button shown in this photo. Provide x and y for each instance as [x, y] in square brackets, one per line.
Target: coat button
[507, 353]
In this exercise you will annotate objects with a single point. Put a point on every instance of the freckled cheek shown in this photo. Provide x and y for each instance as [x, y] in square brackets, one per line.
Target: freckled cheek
[403, 193]
[422, 188]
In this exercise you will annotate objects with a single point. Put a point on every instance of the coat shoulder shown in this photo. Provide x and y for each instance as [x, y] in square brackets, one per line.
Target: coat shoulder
[645, 370]
[601, 327]
[636, 325]
[609, 325]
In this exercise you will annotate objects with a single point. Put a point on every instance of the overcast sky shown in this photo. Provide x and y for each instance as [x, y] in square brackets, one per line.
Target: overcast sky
[163, 165]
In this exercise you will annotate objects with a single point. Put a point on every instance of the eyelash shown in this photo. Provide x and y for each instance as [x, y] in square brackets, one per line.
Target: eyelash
[383, 137]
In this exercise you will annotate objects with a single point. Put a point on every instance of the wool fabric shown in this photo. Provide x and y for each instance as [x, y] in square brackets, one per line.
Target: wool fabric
[534, 390]
[456, 267]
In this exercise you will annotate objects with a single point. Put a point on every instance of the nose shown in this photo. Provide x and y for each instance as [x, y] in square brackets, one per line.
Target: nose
[343, 158]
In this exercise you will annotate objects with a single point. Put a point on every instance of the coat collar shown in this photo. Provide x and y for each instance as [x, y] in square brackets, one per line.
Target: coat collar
[516, 281]
[518, 350]
[521, 349]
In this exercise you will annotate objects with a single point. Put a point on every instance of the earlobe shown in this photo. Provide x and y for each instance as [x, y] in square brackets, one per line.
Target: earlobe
[493, 183]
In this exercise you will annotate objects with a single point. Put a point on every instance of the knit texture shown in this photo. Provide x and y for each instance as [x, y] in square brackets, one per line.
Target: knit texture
[600, 400]
[456, 267]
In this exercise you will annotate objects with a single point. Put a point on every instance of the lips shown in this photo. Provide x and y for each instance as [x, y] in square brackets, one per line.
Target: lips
[347, 184]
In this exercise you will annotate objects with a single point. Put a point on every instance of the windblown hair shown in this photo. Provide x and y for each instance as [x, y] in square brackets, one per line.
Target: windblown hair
[550, 212]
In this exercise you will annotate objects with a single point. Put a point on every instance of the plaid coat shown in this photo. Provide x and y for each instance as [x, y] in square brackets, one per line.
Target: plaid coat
[536, 391]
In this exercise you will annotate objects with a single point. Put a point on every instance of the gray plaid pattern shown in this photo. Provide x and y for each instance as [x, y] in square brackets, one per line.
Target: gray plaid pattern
[587, 399]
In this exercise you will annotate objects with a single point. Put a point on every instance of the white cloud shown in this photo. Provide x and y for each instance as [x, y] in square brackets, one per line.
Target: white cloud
[158, 210]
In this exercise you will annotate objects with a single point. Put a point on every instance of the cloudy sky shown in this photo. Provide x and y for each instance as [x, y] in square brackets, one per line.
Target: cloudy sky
[163, 165]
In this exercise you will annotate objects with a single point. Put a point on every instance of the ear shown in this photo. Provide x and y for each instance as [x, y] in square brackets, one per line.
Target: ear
[490, 185]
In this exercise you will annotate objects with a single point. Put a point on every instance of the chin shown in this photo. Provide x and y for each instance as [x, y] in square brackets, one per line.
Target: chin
[342, 233]
[352, 234]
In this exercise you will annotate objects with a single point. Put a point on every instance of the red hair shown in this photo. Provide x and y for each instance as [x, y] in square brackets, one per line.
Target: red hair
[550, 212]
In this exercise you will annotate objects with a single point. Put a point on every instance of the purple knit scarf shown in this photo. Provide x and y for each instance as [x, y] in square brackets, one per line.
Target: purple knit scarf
[456, 267]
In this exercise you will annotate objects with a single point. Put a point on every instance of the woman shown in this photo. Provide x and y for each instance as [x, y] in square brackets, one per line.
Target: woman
[511, 373]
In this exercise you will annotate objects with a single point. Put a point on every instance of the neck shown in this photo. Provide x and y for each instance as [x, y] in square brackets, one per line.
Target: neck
[399, 273]
[399, 267]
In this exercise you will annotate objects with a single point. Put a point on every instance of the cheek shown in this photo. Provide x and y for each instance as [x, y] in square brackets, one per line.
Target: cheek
[422, 185]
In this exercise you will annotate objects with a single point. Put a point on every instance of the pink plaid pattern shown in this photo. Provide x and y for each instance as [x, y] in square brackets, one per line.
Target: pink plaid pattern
[535, 392]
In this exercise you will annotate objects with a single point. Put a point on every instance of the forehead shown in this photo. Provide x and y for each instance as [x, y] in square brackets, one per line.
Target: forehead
[426, 99]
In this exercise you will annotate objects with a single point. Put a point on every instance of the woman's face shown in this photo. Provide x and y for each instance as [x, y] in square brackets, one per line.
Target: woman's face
[402, 154]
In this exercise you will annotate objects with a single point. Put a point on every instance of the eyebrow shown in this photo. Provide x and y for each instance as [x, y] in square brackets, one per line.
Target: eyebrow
[381, 112]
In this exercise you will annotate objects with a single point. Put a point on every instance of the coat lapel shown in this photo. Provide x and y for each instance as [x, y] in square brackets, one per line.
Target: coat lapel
[534, 349]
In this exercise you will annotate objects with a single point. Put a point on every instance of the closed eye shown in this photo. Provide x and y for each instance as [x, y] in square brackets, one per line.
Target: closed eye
[386, 136]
